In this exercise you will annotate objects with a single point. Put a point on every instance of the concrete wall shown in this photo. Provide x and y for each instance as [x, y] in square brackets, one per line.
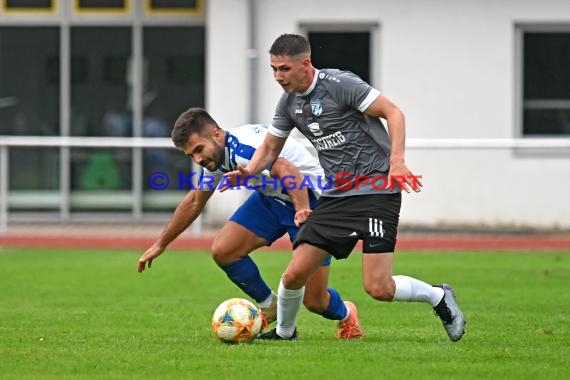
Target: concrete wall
[450, 65]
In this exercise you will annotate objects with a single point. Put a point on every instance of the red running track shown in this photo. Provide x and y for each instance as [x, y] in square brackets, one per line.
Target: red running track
[411, 242]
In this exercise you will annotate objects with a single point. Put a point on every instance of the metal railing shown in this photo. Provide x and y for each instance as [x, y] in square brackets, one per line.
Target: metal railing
[65, 144]
[138, 143]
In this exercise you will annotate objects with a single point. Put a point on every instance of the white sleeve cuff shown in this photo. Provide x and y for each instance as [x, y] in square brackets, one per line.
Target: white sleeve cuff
[278, 132]
[370, 98]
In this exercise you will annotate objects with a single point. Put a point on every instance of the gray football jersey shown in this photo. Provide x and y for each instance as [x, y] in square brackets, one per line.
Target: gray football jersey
[349, 143]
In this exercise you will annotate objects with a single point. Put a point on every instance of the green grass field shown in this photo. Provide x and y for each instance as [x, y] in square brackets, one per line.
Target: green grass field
[77, 314]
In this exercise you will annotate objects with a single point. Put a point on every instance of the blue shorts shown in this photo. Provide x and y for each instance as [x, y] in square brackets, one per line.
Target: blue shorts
[269, 218]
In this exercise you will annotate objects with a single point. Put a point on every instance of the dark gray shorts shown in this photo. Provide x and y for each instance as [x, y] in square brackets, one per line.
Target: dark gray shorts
[337, 223]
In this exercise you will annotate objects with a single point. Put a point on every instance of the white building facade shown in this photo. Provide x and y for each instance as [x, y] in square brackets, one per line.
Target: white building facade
[456, 70]
[476, 79]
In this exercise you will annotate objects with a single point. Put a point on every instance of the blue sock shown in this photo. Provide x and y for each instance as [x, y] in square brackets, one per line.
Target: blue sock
[336, 309]
[245, 274]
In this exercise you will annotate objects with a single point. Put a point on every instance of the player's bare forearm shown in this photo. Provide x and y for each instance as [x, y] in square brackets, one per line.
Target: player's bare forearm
[185, 214]
[291, 177]
[399, 172]
[262, 158]
[385, 108]
[397, 131]
[265, 154]
[187, 211]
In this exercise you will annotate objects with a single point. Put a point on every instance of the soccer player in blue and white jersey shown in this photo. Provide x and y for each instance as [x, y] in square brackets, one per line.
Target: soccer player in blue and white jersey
[340, 114]
[278, 206]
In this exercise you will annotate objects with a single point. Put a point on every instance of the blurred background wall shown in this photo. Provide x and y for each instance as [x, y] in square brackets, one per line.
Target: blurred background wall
[475, 69]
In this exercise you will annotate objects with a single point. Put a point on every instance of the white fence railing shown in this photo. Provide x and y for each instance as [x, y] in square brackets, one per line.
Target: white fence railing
[138, 143]
[65, 144]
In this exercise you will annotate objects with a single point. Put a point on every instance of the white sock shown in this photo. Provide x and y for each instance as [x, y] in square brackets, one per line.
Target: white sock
[410, 289]
[288, 305]
[267, 302]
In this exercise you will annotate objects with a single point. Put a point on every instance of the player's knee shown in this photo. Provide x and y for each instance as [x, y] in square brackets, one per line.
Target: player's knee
[381, 291]
[220, 255]
[293, 280]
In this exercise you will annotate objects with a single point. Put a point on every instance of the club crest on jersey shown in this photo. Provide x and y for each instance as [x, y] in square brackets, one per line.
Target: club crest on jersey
[316, 107]
[315, 129]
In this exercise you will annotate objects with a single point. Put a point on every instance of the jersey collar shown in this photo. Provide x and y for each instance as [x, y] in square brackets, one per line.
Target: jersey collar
[226, 166]
[312, 86]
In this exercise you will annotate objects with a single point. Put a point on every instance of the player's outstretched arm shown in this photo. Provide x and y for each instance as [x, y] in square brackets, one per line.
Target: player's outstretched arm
[383, 107]
[262, 158]
[291, 178]
[186, 212]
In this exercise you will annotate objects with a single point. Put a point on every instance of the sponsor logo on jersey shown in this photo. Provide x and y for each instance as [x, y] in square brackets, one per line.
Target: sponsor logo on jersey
[298, 111]
[315, 129]
[329, 141]
[316, 107]
[329, 77]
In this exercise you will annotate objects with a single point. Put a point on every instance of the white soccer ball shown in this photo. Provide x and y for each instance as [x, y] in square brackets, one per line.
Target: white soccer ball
[236, 320]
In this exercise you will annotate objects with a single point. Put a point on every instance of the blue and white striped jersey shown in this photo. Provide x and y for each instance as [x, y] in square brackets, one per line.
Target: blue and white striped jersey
[241, 144]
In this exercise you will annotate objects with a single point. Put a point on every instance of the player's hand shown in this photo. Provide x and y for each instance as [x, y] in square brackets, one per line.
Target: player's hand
[150, 254]
[234, 177]
[402, 176]
[301, 216]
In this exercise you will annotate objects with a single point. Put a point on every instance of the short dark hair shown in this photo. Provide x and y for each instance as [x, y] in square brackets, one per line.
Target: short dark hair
[193, 120]
[290, 45]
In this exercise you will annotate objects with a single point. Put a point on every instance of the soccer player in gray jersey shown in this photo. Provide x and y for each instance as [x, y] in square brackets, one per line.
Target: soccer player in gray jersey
[340, 114]
[267, 214]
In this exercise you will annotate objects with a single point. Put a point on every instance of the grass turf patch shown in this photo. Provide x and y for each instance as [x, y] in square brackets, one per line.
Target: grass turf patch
[88, 314]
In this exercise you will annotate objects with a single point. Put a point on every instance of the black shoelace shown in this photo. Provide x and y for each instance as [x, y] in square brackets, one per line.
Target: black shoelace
[442, 311]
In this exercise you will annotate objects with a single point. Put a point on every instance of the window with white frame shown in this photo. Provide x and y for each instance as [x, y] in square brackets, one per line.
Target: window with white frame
[81, 80]
[545, 82]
